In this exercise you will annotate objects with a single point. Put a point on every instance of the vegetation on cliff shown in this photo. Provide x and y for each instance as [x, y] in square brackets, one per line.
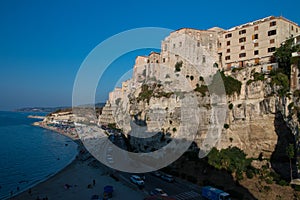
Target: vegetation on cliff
[232, 85]
[281, 80]
[231, 159]
[202, 89]
[283, 55]
[153, 90]
[256, 77]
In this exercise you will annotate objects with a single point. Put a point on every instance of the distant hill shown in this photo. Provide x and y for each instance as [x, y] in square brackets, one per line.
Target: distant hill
[39, 109]
[53, 109]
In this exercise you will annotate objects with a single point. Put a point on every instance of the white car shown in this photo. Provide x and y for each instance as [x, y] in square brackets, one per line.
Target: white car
[137, 180]
[109, 159]
[168, 178]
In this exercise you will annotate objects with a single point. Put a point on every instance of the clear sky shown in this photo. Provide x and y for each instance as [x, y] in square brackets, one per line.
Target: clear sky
[43, 43]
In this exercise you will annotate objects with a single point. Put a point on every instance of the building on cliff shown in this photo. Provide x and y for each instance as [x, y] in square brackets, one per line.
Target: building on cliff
[254, 43]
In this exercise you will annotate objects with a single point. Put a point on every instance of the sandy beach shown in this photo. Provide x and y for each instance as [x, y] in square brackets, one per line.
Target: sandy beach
[78, 176]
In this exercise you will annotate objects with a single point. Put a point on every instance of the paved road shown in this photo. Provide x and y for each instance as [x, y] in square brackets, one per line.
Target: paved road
[179, 189]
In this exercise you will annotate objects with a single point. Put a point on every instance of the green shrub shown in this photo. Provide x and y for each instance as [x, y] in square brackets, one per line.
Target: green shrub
[282, 183]
[239, 175]
[297, 187]
[231, 159]
[296, 93]
[267, 188]
[202, 89]
[282, 81]
[256, 77]
[269, 181]
[146, 93]
[249, 173]
[231, 84]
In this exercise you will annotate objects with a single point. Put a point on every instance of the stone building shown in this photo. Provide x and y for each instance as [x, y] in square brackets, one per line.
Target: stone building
[254, 43]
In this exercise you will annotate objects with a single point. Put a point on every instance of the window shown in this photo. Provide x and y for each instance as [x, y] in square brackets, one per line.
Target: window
[296, 30]
[242, 31]
[228, 43]
[228, 50]
[242, 47]
[180, 44]
[271, 49]
[210, 46]
[255, 28]
[164, 60]
[227, 58]
[255, 37]
[241, 55]
[273, 23]
[256, 52]
[174, 45]
[256, 44]
[198, 44]
[272, 32]
[243, 39]
[229, 35]
[256, 60]
[292, 27]
[272, 41]
[203, 59]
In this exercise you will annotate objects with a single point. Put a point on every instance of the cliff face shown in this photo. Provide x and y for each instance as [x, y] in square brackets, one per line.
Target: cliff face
[161, 99]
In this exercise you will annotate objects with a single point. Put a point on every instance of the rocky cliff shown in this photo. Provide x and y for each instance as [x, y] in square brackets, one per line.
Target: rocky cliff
[177, 99]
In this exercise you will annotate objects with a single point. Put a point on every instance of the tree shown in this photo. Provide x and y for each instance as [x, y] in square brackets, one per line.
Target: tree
[282, 81]
[290, 153]
[283, 55]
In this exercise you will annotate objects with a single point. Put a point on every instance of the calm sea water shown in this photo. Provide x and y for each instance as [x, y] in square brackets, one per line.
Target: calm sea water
[28, 154]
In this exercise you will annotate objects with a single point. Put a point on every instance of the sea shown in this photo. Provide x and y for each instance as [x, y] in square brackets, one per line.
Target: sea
[29, 154]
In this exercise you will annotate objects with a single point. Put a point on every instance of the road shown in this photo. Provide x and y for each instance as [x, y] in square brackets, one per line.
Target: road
[179, 189]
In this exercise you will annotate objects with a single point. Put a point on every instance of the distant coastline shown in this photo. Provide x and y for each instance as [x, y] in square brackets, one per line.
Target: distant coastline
[36, 117]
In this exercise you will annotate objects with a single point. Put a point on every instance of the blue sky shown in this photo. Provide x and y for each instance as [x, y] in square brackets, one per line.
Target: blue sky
[43, 43]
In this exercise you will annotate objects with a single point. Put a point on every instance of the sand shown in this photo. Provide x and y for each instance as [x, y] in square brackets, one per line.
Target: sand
[79, 175]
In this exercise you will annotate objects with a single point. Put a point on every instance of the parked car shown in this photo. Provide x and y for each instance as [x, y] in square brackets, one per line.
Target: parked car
[109, 159]
[137, 180]
[167, 177]
[158, 192]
